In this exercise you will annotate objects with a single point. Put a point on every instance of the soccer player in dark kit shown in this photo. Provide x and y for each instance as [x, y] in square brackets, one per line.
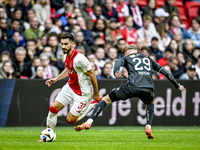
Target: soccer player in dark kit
[140, 84]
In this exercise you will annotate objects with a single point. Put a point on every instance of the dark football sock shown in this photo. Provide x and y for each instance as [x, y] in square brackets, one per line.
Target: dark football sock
[98, 109]
[149, 113]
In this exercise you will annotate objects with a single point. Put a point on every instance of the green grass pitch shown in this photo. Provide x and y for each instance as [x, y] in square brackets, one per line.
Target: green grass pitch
[102, 138]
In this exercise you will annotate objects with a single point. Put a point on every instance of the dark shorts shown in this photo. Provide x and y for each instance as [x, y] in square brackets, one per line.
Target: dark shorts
[129, 91]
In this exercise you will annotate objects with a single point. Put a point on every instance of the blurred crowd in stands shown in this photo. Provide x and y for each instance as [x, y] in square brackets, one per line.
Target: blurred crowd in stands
[168, 31]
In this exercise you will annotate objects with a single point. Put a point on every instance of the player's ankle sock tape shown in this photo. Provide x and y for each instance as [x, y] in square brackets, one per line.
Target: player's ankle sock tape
[53, 110]
[98, 109]
[150, 111]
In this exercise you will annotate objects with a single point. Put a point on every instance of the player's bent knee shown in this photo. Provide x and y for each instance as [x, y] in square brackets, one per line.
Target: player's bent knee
[70, 121]
[107, 99]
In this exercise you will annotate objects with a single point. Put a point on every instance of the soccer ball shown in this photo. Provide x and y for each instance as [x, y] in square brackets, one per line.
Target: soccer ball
[48, 135]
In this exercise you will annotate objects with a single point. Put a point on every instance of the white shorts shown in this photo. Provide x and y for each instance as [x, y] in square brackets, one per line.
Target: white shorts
[67, 96]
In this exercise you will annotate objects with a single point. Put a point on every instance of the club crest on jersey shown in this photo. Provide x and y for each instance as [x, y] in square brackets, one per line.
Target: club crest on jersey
[71, 71]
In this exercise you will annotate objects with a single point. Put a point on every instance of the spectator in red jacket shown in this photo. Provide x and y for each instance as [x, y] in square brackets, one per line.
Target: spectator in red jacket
[128, 32]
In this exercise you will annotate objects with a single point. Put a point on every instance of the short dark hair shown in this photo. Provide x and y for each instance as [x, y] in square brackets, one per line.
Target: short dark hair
[154, 38]
[68, 35]
[15, 20]
[121, 39]
[31, 40]
[18, 31]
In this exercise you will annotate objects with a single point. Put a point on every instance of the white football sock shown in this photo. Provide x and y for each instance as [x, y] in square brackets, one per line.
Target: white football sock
[148, 125]
[89, 120]
[52, 120]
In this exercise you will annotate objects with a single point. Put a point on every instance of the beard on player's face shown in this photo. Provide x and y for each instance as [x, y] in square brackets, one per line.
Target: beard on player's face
[66, 50]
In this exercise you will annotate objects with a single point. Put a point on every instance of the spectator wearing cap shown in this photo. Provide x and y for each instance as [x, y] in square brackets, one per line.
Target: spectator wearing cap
[190, 74]
[87, 9]
[50, 27]
[194, 31]
[109, 11]
[129, 33]
[169, 7]
[154, 48]
[148, 30]
[150, 8]
[197, 66]
[112, 32]
[160, 16]
[42, 10]
[167, 54]
[122, 9]
[137, 12]
[175, 26]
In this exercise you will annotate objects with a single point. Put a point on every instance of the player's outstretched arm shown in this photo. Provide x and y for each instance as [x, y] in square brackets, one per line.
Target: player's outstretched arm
[170, 77]
[61, 76]
[93, 79]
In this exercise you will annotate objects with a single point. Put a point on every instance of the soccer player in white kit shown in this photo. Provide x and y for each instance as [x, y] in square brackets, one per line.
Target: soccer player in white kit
[81, 86]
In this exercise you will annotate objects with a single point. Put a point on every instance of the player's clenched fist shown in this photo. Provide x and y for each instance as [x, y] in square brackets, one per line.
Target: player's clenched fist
[50, 81]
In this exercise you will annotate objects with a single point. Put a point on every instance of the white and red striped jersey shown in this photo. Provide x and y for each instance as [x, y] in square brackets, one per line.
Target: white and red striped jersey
[77, 65]
[122, 10]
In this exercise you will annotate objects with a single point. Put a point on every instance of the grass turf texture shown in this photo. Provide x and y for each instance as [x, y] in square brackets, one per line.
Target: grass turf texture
[103, 138]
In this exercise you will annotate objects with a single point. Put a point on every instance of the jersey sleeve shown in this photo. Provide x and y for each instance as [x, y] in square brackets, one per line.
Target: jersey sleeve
[166, 73]
[157, 67]
[83, 63]
[118, 64]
